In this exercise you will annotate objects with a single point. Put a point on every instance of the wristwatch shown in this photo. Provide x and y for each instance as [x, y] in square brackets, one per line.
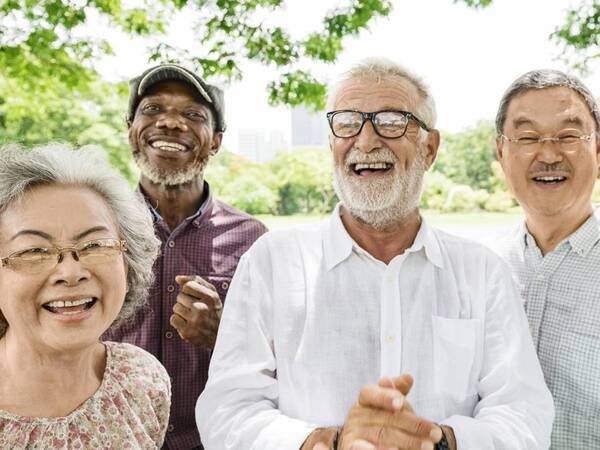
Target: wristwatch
[443, 444]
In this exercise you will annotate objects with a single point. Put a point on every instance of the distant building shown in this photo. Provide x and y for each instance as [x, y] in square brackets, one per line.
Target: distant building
[260, 145]
[309, 129]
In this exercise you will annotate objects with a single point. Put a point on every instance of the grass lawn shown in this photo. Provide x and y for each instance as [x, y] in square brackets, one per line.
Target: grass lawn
[454, 221]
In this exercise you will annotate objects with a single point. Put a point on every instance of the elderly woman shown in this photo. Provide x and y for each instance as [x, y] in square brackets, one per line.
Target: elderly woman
[77, 248]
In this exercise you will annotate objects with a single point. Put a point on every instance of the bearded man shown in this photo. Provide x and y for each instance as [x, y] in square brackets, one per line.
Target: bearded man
[374, 330]
[176, 124]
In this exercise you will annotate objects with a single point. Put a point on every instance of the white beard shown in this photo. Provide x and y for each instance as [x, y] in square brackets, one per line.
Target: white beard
[169, 178]
[384, 201]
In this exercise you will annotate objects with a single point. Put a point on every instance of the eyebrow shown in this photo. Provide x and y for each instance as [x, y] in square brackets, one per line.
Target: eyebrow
[49, 237]
[570, 120]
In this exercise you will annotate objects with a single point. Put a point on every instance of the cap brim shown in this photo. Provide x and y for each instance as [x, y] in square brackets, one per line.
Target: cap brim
[167, 72]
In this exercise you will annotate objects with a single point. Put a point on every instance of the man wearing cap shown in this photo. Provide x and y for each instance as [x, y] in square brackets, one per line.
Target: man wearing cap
[176, 124]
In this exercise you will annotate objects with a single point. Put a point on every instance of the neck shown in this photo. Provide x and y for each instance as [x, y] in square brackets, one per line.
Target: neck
[175, 203]
[549, 231]
[383, 244]
[56, 382]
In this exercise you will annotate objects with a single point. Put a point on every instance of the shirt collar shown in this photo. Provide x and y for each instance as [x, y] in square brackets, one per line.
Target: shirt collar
[196, 217]
[338, 244]
[581, 241]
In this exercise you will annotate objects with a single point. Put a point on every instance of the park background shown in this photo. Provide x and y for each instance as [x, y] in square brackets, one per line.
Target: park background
[64, 66]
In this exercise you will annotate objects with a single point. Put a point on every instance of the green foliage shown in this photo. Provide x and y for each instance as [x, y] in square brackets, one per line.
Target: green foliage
[464, 198]
[499, 201]
[435, 190]
[46, 49]
[293, 182]
[475, 3]
[579, 35]
[467, 156]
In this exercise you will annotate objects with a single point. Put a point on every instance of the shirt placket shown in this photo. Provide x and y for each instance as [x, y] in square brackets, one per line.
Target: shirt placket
[391, 320]
[539, 284]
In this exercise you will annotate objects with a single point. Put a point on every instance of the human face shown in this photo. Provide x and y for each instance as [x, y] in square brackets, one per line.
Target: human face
[381, 196]
[172, 134]
[550, 181]
[59, 215]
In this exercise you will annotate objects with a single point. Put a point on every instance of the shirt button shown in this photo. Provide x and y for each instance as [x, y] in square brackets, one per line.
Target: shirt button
[169, 334]
[170, 288]
[170, 428]
[390, 338]
[171, 244]
[541, 277]
[224, 285]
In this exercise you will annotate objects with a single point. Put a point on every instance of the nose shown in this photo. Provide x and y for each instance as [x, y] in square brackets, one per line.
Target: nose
[69, 271]
[171, 121]
[367, 140]
[549, 152]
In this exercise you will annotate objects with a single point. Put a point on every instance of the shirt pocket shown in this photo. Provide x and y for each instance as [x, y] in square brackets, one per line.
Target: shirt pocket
[454, 351]
[578, 380]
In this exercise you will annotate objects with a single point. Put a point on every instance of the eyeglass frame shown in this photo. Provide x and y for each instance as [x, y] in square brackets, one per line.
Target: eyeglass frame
[540, 140]
[371, 116]
[60, 251]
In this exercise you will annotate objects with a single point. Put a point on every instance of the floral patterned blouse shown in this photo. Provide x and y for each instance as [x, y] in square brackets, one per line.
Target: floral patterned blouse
[130, 410]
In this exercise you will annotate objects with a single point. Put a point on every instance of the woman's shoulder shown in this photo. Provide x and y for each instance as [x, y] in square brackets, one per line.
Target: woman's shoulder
[135, 368]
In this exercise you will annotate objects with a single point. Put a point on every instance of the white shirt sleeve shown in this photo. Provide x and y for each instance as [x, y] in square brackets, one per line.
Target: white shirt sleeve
[238, 409]
[515, 410]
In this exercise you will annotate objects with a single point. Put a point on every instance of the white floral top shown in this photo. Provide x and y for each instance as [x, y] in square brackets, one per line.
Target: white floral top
[130, 410]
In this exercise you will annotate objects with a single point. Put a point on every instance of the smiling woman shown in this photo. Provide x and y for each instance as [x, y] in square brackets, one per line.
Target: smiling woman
[76, 253]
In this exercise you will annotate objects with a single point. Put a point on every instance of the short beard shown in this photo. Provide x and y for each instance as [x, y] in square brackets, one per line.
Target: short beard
[164, 178]
[380, 203]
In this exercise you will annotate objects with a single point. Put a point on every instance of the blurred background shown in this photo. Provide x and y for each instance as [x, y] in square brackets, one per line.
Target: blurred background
[64, 66]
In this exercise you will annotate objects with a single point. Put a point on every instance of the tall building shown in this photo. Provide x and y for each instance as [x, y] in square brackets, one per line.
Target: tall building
[260, 145]
[309, 129]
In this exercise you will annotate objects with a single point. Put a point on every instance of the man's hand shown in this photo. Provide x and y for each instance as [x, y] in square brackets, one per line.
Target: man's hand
[384, 419]
[197, 313]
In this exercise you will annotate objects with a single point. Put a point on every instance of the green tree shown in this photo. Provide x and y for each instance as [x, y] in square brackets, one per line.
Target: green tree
[467, 156]
[579, 35]
[303, 181]
[45, 44]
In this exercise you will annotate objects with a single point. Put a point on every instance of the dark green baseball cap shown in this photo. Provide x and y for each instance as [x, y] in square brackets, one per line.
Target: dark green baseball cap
[213, 95]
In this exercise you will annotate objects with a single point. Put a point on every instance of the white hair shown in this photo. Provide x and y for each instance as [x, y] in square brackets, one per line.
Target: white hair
[382, 69]
[58, 164]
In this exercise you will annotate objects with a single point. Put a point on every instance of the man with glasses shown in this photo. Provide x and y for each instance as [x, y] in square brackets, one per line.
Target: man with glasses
[548, 146]
[374, 330]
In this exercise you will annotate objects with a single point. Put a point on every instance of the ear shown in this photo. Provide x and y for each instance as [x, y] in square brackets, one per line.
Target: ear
[597, 149]
[215, 144]
[499, 149]
[432, 144]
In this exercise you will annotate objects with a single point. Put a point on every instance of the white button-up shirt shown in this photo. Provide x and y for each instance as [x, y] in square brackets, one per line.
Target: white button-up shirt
[311, 317]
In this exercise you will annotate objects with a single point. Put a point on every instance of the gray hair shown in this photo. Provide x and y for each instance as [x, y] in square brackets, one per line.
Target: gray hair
[59, 164]
[542, 79]
[383, 69]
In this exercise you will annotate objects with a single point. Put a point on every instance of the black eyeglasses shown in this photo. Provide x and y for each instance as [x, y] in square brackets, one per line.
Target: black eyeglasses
[390, 124]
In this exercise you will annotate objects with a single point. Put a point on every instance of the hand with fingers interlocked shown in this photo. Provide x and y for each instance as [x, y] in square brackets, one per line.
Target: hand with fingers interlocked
[197, 312]
[383, 419]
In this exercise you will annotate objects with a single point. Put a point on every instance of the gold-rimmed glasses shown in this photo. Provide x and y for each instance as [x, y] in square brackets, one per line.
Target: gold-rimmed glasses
[36, 260]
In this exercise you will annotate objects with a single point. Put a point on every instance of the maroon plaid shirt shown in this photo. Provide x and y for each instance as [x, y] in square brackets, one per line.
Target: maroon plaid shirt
[208, 244]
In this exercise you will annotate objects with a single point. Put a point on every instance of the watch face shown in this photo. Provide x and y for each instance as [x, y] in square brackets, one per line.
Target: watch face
[443, 444]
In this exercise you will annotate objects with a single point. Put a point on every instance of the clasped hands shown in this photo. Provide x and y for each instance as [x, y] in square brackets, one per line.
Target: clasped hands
[382, 419]
[197, 313]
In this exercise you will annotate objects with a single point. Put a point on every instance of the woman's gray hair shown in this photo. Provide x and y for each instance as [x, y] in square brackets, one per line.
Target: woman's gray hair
[543, 79]
[383, 69]
[60, 164]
